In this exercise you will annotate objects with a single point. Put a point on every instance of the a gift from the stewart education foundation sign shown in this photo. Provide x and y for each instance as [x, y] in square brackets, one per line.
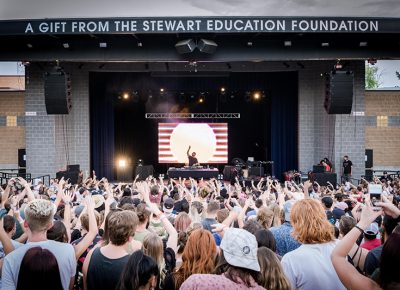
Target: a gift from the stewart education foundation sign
[200, 25]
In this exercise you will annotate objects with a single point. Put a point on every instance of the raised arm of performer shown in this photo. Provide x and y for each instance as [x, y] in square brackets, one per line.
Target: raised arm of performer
[188, 154]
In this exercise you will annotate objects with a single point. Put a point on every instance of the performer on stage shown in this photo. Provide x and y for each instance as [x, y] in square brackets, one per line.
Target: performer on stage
[192, 158]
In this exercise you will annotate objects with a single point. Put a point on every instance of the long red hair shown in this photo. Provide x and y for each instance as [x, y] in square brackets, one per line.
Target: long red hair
[198, 256]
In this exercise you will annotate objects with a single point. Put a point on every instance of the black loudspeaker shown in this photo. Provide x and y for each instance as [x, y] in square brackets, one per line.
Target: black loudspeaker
[318, 169]
[339, 92]
[57, 92]
[144, 171]
[207, 46]
[256, 171]
[369, 158]
[369, 174]
[71, 175]
[22, 158]
[323, 178]
[229, 172]
[74, 167]
[185, 46]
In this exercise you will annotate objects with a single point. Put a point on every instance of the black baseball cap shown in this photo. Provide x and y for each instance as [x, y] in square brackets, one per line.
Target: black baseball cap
[327, 201]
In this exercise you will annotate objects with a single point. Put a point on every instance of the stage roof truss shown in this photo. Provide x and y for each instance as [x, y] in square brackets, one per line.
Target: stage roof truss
[192, 115]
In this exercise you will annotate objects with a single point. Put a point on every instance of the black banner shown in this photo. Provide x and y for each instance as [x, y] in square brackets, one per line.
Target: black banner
[200, 25]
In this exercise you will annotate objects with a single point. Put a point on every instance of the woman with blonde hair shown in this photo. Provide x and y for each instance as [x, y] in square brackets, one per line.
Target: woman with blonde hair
[309, 267]
[276, 219]
[265, 217]
[272, 276]
[198, 257]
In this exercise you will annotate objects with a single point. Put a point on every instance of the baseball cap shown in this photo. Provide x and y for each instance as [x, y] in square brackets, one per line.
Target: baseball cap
[136, 201]
[168, 205]
[372, 229]
[287, 208]
[98, 200]
[240, 249]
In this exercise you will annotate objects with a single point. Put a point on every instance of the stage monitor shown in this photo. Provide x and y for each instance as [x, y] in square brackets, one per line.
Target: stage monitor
[208, 140]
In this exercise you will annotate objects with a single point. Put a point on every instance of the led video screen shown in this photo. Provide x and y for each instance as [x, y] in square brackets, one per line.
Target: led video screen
[208, 140]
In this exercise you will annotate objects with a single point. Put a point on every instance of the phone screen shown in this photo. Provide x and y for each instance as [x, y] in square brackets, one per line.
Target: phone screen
[375, 193]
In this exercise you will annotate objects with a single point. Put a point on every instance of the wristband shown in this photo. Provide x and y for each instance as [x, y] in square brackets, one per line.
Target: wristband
[358, 228]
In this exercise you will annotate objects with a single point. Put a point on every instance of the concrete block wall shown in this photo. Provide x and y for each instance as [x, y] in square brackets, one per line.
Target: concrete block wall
[333, 136]
[52, 139]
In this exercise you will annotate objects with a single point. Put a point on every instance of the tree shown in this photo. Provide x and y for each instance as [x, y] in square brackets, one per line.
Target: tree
[398, 75]
[372, 77]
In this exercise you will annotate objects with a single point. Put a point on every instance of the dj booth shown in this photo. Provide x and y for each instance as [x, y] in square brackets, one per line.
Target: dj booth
[196, 173]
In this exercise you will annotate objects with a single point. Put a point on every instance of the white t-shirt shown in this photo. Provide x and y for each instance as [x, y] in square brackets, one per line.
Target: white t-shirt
[63, 252]
[309, 267]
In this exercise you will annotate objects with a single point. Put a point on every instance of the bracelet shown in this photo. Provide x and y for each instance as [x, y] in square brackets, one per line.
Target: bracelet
[358, 228]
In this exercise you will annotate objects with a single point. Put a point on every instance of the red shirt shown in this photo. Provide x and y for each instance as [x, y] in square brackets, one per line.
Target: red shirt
[369, 245]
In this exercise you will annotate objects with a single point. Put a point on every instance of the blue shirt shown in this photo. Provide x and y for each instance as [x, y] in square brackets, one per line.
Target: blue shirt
[284, 240]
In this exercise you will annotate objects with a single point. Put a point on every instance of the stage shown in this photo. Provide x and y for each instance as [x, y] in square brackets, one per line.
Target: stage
[193, 173]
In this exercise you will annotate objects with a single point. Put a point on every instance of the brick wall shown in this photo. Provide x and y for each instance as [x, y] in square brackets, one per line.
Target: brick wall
[11, 138]
[384, 141]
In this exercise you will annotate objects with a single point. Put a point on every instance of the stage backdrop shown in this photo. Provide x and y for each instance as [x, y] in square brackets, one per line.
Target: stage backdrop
[266, 130]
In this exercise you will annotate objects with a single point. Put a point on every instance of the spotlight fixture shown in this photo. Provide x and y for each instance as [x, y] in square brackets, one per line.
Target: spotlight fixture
[287, 43]
[202, 98]
[139, 44]
[325, 44]
[363, 44]
[222, 90]
[185, 46]
[256, 96]
[66, 45]
[249, 43]
[103, 44]
[140, 162]
[162, 90]
[29, 45]
[207, 46]
[121, 163]
[125, 96]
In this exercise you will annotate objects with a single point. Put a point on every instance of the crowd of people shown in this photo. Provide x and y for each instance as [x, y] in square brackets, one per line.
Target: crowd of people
[199, 234]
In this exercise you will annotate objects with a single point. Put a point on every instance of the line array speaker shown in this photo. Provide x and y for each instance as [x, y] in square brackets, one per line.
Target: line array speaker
[57, 92]
[339, 92]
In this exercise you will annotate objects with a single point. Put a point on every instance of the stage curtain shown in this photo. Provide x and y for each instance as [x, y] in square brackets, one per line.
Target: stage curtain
[284, 123]
[102, 132]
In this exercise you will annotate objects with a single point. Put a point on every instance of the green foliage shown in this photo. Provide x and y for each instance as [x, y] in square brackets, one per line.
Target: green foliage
[398, 75]
[372, 77]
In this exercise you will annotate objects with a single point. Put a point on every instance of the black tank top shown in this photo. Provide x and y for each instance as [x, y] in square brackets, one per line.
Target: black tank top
[104, 273]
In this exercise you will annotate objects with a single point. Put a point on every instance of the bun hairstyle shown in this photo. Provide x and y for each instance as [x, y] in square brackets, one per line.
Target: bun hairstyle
[143, 213]
[182, 240]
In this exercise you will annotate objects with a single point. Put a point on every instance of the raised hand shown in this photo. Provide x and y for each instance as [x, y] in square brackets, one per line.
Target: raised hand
[67, 196]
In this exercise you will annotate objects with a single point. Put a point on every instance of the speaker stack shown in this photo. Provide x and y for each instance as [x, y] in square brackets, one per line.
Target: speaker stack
[339, 92]
[57, 92]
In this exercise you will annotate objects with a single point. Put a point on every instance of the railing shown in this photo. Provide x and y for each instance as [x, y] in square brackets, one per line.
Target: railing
[6, 176]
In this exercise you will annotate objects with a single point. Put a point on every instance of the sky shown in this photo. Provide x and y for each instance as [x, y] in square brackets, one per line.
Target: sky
[20, 9]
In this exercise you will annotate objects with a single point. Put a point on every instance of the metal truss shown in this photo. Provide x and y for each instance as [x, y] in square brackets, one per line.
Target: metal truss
[192, 115]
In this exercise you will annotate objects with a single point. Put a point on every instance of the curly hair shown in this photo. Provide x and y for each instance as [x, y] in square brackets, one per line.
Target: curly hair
[198, 256]
[310, 225]
[271, 275]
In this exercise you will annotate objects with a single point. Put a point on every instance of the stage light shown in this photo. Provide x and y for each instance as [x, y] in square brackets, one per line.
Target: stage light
[122, 163]
[256, 96]
[66, 45]
[29, 45]
[249, 43]
[140, 162]
[287, 43]
[325, 44]
[363, 44]
[201, 99]
[161, 90]
[139, 44]
[207, 46]
[185, 46]
[103, 44]
[222, 90]
[125, 96]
